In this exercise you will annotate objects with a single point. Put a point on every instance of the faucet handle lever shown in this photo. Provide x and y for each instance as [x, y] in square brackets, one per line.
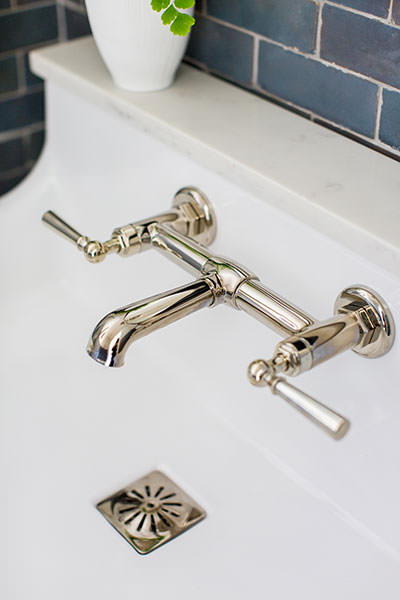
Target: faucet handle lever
[61, 227]
[94, 250]
[263, 373]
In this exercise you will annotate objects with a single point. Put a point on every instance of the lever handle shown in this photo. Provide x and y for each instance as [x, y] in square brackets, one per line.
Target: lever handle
[262, 373]
[191, 214]
[326, 418]
[61, 227]
[93, 250]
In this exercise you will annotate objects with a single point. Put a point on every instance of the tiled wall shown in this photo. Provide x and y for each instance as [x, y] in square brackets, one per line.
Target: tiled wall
[27, 24]
[337, 63]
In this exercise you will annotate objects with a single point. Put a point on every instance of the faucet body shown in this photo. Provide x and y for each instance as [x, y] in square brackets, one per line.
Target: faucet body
[362, 321]
[222, 280]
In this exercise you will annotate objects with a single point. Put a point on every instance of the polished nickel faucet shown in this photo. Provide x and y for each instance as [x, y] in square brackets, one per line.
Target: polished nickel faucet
[362, 320]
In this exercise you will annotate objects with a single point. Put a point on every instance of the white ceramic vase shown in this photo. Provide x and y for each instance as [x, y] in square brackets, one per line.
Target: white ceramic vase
[140, 52]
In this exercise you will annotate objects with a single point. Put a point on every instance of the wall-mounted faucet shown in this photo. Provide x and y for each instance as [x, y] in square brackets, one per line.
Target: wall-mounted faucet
[362, 323]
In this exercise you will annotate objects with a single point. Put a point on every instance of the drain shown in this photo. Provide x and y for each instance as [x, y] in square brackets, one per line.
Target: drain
[151, 511]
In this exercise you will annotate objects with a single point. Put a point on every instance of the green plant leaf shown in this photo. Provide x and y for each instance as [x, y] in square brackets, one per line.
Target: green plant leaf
[184, 3]
[159, 5]
[182, 24]
[169, 15]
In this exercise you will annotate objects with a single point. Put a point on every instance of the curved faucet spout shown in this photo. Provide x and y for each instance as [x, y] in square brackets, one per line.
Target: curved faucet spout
[119, 329]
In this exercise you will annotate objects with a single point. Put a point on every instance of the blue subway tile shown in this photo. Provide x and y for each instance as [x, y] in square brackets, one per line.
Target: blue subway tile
[292, 22]
[222, 49]
[390, 119]
[8, 75]
[21, 111]
[396, 12]
[27, 27]
[12, 154]
[77, 24]
[8, 184]
[361, 44]
[30, 78]
[380, 8]
[345, 99]
[35, 144]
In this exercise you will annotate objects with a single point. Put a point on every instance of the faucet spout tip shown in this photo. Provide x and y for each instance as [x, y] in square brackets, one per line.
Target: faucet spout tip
[107, 343]
[103, 356]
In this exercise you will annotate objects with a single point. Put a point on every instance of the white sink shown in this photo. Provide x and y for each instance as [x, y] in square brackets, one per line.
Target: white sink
[291, 513]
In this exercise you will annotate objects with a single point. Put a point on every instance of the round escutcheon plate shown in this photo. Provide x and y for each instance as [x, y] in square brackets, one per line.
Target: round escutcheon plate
[375, 319]
[204, 207]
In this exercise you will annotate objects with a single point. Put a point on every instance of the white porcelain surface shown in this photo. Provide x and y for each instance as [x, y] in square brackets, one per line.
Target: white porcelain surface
[140, 52]
[291, 513]
[339, 187]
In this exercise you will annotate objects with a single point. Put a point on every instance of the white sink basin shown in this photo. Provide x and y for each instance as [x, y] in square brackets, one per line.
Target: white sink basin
[291, 513]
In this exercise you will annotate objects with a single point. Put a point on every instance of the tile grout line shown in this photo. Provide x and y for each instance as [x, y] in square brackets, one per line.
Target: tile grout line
[390, 12]
[21, 71]
[254, 74]
[12, 134]
[319, 30]
[62, 23]
[26, 143]
[361, 13]
[379, 105]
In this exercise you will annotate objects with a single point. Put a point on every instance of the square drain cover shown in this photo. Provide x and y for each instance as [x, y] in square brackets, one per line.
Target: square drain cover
[151, 511]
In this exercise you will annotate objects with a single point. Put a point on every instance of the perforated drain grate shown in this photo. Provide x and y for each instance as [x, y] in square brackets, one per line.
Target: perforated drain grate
[151, 511]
